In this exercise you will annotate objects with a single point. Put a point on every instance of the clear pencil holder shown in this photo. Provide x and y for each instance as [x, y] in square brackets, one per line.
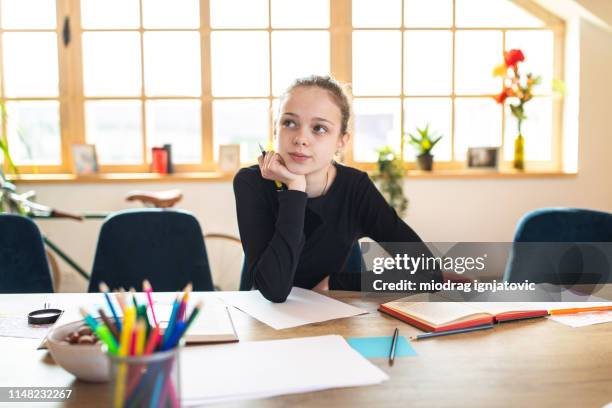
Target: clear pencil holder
[146, 381]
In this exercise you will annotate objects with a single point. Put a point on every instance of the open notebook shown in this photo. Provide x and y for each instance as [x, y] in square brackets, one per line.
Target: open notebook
[213, 325]
[442, 316]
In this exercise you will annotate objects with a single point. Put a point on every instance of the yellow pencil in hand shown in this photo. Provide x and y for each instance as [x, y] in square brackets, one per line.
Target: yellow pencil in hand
[279, 185]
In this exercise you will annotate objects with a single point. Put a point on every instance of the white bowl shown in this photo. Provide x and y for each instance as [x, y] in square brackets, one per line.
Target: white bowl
[86, 361]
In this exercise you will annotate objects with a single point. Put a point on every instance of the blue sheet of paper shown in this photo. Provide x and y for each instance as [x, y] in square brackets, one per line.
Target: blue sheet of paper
[379, 347]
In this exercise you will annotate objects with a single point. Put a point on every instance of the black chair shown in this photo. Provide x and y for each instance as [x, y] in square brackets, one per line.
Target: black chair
[562, 246]
[23, 263]
[353, 264]
[164, 246]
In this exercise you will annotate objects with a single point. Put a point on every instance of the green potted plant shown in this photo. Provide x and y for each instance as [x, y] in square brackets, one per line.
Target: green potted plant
[423, 144]
[389, 175]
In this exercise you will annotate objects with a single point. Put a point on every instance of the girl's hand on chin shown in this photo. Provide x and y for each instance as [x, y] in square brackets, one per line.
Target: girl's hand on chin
[273, 168]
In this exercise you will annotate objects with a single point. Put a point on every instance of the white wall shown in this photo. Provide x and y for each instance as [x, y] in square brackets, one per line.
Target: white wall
[440, 209]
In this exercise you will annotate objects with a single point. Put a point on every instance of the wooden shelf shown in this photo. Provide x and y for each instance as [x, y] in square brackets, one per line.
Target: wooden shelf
[226, 177]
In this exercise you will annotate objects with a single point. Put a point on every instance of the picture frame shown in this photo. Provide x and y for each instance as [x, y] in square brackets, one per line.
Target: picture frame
[484, 158]
[84, 159]
[229, 158]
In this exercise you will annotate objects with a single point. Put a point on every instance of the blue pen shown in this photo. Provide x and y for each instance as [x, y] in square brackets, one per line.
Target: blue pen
[172, 322]
[455, 331]
[104, 289]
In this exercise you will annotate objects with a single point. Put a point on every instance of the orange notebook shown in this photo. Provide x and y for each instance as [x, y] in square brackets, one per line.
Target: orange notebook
[442, 316]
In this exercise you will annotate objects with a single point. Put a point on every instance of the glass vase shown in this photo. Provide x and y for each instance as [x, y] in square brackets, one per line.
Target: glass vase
[519, 153]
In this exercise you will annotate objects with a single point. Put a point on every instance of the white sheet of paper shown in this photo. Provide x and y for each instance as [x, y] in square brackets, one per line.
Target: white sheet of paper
[583, 319]
[301, 307]
[14, 309]
[17, 326]
[216, 373]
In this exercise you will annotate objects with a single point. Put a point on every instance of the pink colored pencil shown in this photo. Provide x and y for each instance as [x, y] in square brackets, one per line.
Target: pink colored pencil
[146, 286]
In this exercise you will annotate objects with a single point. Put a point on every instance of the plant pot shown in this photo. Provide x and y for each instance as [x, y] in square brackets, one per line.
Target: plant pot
[425, 162]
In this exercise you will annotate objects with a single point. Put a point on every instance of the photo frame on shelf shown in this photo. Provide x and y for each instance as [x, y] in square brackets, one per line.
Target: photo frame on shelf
[229, 158]
[84, 159]
[484, 158]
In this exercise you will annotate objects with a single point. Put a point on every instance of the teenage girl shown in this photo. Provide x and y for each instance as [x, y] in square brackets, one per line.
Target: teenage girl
[302, 234]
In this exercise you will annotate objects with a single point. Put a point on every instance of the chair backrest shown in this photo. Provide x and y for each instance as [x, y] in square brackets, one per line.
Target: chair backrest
[164, 246]
[23, 263]
[567, 262]
[353, 264]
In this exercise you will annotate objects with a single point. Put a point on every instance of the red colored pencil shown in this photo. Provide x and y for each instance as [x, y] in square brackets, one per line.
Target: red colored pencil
[152, 341]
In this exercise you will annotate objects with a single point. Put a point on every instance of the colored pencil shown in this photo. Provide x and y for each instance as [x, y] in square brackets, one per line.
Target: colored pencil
[133, 293]
[580, 310]
[184, 327]
[120, 296]
[111, 325]
[148, 289]
[171, 323]
[152, 341]
[194, 313]
[104, 289]
[263, 153]
[124, 347]
[183, 306]
[157, 389]
[101, 331]
[140, 337]
[128, 325]
[136, 371]
[174, 338]
[142, 315]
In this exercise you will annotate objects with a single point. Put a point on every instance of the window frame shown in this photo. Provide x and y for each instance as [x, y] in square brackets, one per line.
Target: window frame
[72, 100]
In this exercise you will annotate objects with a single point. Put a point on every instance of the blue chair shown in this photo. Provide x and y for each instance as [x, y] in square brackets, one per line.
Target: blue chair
[164, 246]
[246, 282]
[569, 254]
[23, 263]
[353, 264]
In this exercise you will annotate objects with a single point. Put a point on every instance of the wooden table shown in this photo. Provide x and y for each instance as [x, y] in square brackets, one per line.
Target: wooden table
[528, 363]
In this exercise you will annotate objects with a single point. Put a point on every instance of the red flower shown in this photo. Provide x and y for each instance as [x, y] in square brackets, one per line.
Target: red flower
[513, 57]
[501, 97]
[506, 92]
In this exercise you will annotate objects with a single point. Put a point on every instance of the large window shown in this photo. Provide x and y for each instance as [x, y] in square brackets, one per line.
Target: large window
[127, 75]
[255, 54]
[435, 68]
[30, 82]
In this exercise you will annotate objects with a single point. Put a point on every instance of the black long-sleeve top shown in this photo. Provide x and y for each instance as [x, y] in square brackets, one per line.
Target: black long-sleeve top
[292, 240]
